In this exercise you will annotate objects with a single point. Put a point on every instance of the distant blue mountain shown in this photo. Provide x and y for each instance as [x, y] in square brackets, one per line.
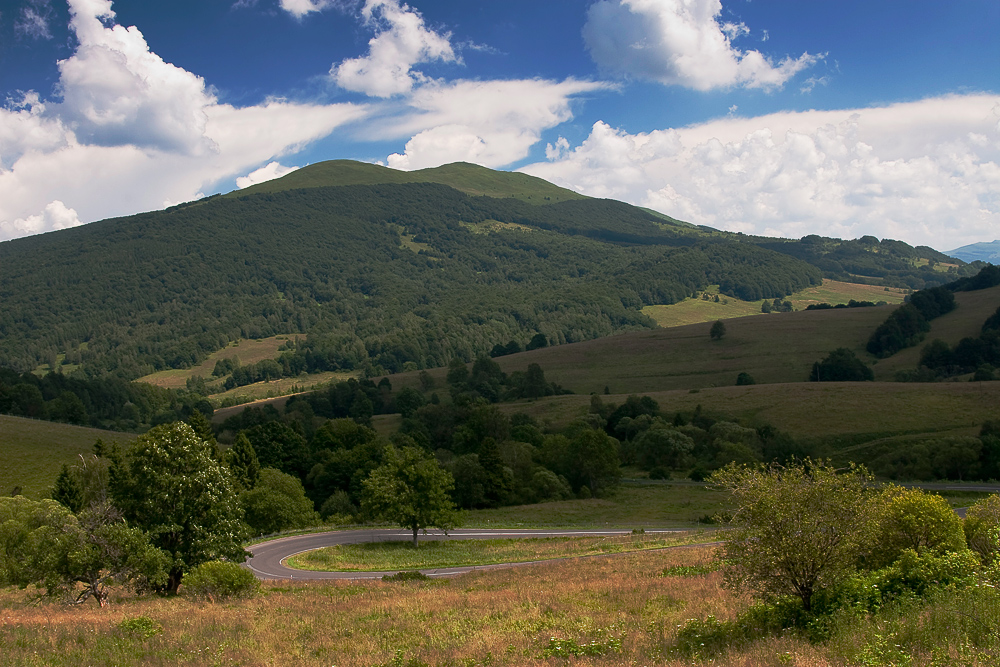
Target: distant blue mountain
[986, 252]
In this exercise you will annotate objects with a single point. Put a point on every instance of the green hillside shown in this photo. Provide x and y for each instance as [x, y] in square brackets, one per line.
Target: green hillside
[377, 269]
[776, 348]
[468, 178]
[32, 452]
[377, 275]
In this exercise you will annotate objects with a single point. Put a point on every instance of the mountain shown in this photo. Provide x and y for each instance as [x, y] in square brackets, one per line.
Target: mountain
[387, 270]
[463, 176]
[978, 252]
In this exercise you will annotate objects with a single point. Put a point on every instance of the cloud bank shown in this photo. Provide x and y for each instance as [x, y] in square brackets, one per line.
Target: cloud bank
[133, 133]
[680, 43]
[492, 123]
[927, 171]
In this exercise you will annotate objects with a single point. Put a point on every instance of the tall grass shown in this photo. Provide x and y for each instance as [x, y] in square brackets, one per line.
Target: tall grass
[609, 611]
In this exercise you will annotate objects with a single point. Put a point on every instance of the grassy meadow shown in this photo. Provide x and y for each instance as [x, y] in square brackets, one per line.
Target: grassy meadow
[836, 415]
[695, 310]
[388, 556]
[621, 610]
[32, 452]
[247, 351]
[678, 504]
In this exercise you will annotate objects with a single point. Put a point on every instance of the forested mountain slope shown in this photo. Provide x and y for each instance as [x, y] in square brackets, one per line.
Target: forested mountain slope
[377, 274]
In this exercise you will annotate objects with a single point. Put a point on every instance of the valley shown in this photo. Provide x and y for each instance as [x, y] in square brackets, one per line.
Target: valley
[555, 361]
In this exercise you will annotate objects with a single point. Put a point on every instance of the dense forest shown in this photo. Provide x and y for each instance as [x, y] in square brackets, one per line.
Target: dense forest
[375, 276]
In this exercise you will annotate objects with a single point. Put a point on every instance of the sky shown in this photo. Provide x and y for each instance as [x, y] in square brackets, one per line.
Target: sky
[775, 117]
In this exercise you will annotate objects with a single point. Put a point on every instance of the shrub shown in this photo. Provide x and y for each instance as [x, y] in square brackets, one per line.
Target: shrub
[703, 638]
[912, 519]
[982, 528]
[220, 580]
[276, 503]
[912, 574]
[841, 365]
[338, 508]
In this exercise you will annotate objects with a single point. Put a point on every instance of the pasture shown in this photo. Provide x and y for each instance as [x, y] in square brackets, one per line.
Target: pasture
[695, 310]
[247, 351]
[32, 452]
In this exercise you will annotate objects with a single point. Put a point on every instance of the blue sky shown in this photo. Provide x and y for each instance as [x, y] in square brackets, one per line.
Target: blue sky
[781, 118]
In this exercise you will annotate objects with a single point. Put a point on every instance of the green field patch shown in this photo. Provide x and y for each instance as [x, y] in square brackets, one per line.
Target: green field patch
[385, 556]
[32, 452]
[276, 388]
[247, 351]
[702, 309]
[676, 504]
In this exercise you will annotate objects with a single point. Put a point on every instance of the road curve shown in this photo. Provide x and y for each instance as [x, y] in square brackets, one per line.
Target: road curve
[268, 559]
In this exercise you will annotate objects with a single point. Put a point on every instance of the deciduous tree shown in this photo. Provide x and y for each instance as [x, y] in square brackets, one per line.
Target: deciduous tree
[410, 489]
[170, 486]
[797, 528]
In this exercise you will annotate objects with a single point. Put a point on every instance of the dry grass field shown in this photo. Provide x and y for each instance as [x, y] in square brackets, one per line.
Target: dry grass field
[619, 610]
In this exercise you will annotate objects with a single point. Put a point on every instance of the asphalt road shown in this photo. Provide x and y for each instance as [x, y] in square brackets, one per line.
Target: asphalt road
[268, 560]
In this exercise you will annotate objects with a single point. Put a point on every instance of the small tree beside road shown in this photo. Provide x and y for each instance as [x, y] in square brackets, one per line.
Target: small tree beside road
[410, 489]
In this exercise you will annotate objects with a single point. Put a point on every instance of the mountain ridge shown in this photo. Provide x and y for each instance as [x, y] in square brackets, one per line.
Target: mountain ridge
[378, 275]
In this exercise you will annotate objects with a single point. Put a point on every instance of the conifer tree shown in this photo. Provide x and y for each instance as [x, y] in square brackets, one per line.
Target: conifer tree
[242, 461]
[203, 429]
[67, 490]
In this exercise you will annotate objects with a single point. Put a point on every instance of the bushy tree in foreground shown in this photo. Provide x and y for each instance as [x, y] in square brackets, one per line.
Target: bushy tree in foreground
[798, 528]
[170, 486]
[43, 543]
[412, 490]
[982, 528]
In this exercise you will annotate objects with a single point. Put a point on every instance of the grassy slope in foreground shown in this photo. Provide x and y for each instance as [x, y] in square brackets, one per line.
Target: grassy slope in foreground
[469, 178]
[32, 452]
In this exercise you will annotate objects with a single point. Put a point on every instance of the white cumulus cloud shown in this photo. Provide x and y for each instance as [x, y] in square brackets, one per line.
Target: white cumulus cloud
[299, 8]
[491, 123]
[54, 216]
[680, 42]
[133, 132]
[115, 90]
[268, 172]
[402, 40]
[926, 172]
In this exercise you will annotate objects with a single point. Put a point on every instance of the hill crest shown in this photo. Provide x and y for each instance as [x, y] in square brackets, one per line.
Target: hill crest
[465, 177]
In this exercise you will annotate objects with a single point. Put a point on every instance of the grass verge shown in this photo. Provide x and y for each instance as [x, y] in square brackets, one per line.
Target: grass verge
[386, 556]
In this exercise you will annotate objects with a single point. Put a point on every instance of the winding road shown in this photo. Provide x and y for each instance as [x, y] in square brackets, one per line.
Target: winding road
[268, 559]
